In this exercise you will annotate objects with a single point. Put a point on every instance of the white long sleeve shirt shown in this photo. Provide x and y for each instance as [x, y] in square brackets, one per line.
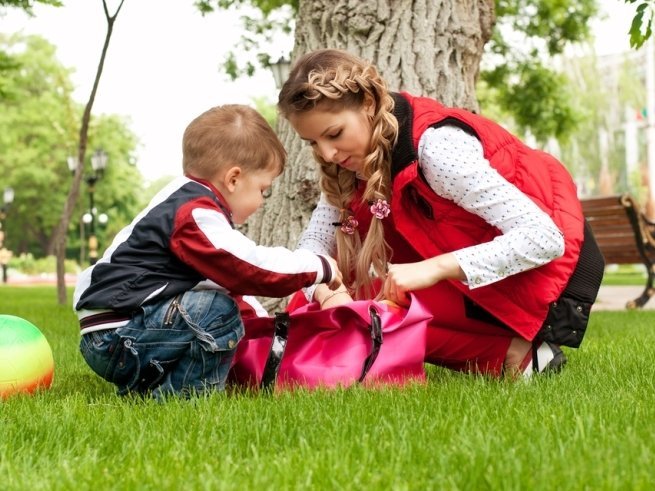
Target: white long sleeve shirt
[453, 165]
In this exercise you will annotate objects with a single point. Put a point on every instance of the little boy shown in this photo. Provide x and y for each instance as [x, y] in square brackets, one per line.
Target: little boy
[160, 312]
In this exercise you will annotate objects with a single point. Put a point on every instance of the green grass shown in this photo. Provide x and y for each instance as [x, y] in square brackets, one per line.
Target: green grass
[590, 428]
[626, 274]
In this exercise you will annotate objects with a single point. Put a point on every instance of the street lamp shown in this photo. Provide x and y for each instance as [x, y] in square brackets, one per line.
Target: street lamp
[280, 69]
[98, 164]
[72, 163]
[85, 221]
[5, 254]
[8, 196]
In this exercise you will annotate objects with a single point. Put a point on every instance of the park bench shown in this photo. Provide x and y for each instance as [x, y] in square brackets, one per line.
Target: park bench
[624, 236]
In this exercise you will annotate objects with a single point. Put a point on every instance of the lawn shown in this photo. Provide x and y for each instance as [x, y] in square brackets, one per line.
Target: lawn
[590, 428]
[625, 274]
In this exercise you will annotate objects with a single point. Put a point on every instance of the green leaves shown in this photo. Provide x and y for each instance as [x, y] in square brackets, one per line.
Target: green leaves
[27, 5]
[515, 71]
[266, 6]
[556, 22]
[265, 22]
[537, 97]
[641, 27]
[40, 124]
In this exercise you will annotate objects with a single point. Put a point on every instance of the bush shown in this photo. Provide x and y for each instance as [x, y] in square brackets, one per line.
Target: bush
[28, 264]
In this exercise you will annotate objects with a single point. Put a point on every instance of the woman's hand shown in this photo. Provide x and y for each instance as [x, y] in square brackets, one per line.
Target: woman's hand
[404, 278]
[339, 297]
[328, 298]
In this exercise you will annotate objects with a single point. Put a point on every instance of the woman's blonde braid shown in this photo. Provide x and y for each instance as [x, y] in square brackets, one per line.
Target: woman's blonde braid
[338, 184]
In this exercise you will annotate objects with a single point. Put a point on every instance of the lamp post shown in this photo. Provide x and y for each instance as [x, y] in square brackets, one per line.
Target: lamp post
[86, 220]
[98, 164]
[5, 254]
[280, 69]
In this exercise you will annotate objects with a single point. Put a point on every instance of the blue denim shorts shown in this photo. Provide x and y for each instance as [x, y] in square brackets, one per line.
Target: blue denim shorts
[179, 346]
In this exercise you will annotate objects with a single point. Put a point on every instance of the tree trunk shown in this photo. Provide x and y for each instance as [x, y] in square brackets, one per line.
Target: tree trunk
[59, 236]
[430, 48]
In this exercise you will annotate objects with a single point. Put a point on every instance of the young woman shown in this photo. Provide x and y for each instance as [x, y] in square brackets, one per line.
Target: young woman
[418, 197]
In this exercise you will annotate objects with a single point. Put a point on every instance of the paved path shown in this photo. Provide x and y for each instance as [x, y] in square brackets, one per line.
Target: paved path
[615, 297]
[38, 280]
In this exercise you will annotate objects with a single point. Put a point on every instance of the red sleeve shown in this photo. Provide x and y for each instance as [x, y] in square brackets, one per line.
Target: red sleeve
[204, 239]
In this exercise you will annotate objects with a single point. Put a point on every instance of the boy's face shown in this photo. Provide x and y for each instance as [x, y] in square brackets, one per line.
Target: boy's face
[245, 189]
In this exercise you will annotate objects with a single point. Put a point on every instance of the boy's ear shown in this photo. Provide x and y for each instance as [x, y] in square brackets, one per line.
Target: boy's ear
[231, 177]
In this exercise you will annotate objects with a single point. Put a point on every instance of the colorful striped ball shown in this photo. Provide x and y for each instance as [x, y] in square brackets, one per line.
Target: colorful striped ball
[26, 362]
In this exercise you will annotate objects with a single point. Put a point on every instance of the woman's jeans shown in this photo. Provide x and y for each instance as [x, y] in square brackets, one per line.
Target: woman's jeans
[182, 345]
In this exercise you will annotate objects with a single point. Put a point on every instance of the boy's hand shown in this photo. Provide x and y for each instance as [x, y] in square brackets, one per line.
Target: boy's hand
[337, 277]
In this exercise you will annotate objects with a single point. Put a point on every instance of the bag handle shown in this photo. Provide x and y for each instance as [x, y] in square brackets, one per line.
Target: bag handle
[279, 344]
[376, 342]
[275, 354]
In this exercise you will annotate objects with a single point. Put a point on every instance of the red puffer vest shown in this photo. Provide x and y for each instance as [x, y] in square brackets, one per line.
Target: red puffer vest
[423, 224]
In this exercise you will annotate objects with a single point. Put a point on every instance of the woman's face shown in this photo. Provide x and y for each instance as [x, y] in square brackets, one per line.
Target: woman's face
[342, 138]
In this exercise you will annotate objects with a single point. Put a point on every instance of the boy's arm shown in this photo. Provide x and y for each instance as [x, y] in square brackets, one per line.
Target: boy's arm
[204, 239]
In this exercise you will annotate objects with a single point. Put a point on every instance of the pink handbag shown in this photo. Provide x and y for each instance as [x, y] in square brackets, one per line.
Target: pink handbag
[364, 341]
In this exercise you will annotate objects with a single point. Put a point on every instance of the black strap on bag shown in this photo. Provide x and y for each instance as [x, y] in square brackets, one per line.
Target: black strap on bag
[275, 354]
[376, 340]
[279, 344]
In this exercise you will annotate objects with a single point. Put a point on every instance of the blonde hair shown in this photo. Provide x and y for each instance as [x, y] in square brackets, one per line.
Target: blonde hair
[229, 135]
[334, 80]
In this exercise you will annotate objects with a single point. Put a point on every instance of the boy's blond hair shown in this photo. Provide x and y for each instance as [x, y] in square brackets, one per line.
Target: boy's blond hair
[230, 135]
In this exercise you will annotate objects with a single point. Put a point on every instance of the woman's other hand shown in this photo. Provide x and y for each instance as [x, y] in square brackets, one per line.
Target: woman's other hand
[331, 298]
[404, 278]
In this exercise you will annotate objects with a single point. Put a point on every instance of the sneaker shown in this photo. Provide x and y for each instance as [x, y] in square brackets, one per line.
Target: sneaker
[543, 358]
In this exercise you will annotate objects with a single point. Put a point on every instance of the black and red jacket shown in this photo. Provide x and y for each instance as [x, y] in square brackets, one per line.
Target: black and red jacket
[185, 239]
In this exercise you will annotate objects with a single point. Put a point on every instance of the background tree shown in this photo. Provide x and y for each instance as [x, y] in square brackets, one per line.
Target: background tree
[40, 124]
[610, 91]
[60, 234]
[35, 119]
[527, 34]
[7, 64]
[514, 69]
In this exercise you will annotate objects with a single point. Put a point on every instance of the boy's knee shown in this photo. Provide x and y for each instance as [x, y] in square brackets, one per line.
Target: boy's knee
[216, 314]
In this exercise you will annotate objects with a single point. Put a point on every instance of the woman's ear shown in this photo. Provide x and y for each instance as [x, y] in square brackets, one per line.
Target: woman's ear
[231, 178]
[369, 105]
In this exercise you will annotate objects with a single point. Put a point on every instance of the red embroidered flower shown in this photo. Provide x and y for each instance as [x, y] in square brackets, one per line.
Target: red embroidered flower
[380, 209]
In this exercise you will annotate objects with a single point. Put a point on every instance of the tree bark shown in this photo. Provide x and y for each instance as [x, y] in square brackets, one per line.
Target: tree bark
[430, 48]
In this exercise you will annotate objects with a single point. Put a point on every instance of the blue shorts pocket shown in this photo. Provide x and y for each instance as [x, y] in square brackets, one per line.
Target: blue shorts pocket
[111, 356]
[227, 335]
[210, 365]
